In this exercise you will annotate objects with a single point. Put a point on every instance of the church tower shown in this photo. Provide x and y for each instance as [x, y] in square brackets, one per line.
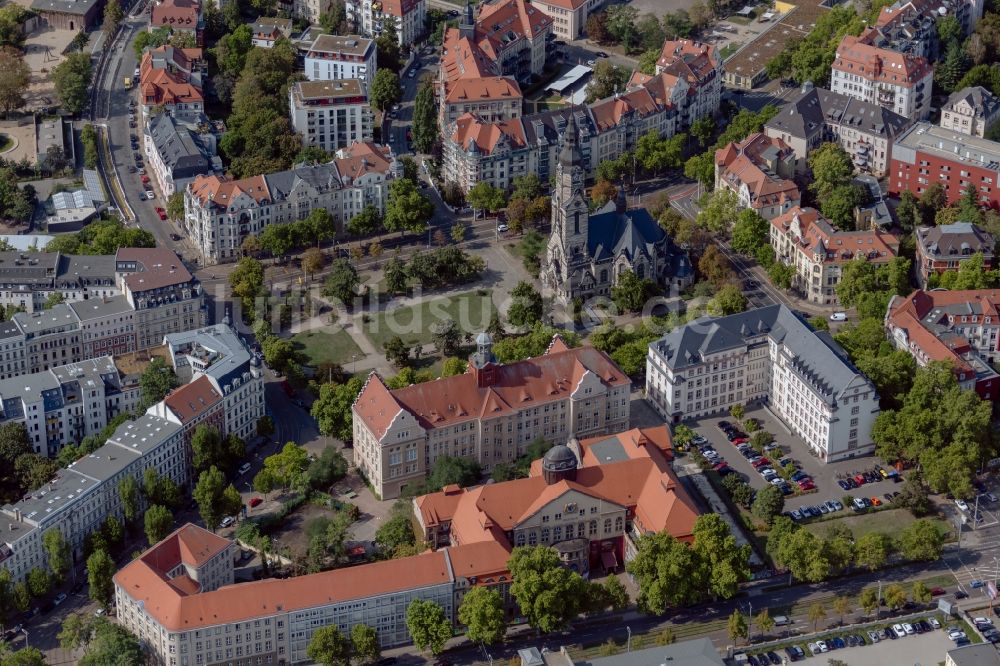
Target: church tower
[569, 205]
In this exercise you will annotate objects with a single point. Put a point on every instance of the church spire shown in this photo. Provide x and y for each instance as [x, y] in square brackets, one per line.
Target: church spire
[570, 154]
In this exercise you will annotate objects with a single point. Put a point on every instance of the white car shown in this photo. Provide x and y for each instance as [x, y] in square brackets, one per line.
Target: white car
[823, 647]
[955, 635]
[874, 637]
[502, 227]
[934, 623]
[591, 63]
[991, 497]
[150, 195]
[227, 521]
[982, 622]
[412, 73]
[838, 316]
[898, 630]
[908, 628]
[814, 648]
[960, 503]
[244, 468]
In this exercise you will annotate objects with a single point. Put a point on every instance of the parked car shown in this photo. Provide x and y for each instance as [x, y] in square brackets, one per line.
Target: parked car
[960, 503]
[888, 497]
[227, 521]
[934, 623]
[837, 643]
[255, 502]
[61, 597]
[244, 468]
[937, 591]
[898, 630]
[908, 628]
[991, 497]
[876, 501]
[807, 485]
[843, 484]
[838, 316]
[873, 636]
[976, 584]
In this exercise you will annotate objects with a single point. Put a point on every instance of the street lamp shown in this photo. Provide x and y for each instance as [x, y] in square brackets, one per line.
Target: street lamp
[749, 620]
[25, 632]
[628, 643]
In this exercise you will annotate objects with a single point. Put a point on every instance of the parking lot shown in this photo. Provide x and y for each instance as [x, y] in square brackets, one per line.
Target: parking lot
[926, 648]
[824, 477]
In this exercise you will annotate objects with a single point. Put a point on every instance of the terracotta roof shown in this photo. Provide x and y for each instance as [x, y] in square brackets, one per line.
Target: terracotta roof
[158, 267]
[609, 112]
[399, 8]
[813, 235]
[193, 400]
[742, 163]
[482, 89]
[902, 11]
[178, 14]
[691, 60]
[362, 158]
[161, 87]
[144, 579]
[461, 57]
[190, 545]
[929, 318]
[659, 86]
[177, 60]
[502, 23]
[439, 507]
[485, 136]
[220, 191]
[485, 561]
[562, 4]
[856, 56]
[535, 381]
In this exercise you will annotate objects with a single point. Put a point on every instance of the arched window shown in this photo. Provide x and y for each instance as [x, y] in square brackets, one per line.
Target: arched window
[576, 222]
[520, 538]
[618, 524]
[532, 538]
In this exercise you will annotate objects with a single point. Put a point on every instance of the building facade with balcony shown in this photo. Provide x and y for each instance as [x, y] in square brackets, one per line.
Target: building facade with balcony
[865, 130]
[758, 170]
[694, 68]
[803, 239]
[926, 154]
[176, 153]
[970, 111]
[516, 35]
[337, 57]
[370, 17]
[959, 327]
[767, 355]
[569, 17]
[898, 81]
[182, 17]
[331, 114]
[910, 26]
[947, 247]
[489, 414]
[220, 213]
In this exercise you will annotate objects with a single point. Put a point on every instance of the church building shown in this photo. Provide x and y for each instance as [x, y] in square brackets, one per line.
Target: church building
[588, 252]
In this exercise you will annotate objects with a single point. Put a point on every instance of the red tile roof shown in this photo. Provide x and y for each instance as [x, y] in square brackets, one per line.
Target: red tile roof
[157, 267]
[220, 191]
[611, 111]
[483, 89]
[535, 381]
[499, 21]
[159, 86]
[469, 130]
[399, 8]
[856, 56]
[362, 158]
[144, 579]
[815, 235]
[461, 57]
[742, 163]
[176, 14]
[691, 60]
[193, 400]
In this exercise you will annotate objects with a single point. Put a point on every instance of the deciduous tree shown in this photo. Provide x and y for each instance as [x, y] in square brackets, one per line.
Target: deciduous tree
[158, 521]
[428, 625]
[100, 571]
[15, 75]
[329, 647]
[548, 594]
[482, 614]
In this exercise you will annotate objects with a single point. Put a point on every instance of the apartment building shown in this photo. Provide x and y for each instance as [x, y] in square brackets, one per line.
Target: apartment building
[515, 34]
[589, 499]
[216, 353]
[107, 326]
[67, 403]
[489, 414]
[371, 17]
[569, 17]
[187, 65]
[29, 279]
[469, 81]
[477, 150]
[926, 154]
[176, 153]
[12, 361]
[180, 620]
[158, 89]
[766, 355]
[696, 65]
[959, 327]
[81, 496]
[898, 81]
[220, 213]
[865, 130]
[268, 30]
[338, 57]
[180, 17]
[331, 114]
[970, 111]
[165, 296]
[758, 170]
[910, 26]
[803, 239]
[945, 248]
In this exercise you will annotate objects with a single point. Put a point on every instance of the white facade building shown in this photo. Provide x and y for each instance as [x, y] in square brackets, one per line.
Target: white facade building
[767, 355]
[335, 57]
[331, 114]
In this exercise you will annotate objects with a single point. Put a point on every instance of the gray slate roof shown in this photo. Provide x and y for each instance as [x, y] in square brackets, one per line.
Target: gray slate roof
[697, 652]
[177, 147]
[806, 115]
[978, 97]
[817, 358]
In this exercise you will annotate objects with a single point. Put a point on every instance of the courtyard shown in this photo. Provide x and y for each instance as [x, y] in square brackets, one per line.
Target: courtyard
[471, 311]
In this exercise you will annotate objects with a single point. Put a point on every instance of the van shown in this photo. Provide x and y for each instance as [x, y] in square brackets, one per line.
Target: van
[781, 620]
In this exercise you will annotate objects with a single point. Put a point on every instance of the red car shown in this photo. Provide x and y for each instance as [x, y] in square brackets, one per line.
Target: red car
[740, 440]
[807, 485]
[859, 479]
[256, 501]
[287, 388]
[145, 179]
[161, 213]
[760, 462]
[937, 591]
[719, 465]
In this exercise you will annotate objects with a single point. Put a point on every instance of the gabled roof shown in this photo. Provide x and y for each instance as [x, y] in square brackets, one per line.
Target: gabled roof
[175, 14]
[693, 61]
[743, 163]
[856, 56]
[814, 235]
[503, 22]
[193, 400]
[610, 112]
[156, 267]
[362, 158]
[492, 88]
[982, 102]
[161, 87]
[481, 136]
[221, 191]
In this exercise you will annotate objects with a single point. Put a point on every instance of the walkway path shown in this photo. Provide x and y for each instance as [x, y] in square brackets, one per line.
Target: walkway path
[693, 472]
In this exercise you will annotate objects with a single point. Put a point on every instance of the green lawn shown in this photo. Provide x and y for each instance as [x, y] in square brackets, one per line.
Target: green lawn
[889, 521]
[324, 347]
[471, 311]
[730, 49]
